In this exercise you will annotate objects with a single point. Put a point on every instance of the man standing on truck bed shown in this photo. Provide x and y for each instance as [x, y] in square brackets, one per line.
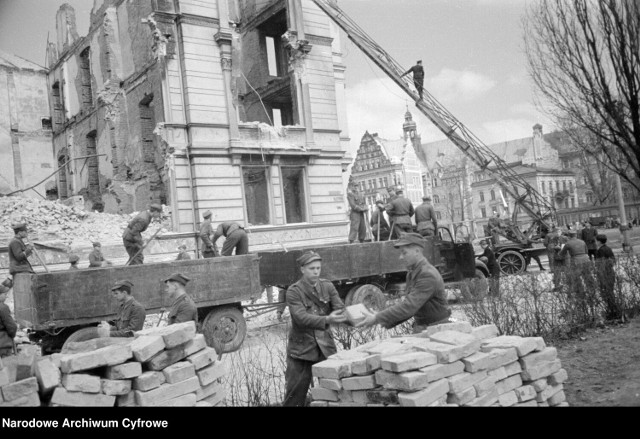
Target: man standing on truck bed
[314, 304]
[183, 309]
[19, 251]
[131, 314]
[357, 209]
[96, 258]
[426, 218]
[401, 210]
[206, 233]
[132, 236]
[235, 236]
[425, 298]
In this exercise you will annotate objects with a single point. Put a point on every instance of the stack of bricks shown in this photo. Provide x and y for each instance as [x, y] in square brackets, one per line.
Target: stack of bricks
[451, 364]
[168, 366]
[18, 385]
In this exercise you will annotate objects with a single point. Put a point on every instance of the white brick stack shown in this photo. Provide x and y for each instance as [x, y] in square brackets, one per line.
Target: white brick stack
[452, 364]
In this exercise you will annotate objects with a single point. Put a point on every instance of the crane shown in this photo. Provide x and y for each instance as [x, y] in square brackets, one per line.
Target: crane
[525, 196]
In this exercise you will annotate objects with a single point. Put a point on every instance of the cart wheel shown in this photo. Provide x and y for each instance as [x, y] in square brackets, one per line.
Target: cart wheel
[224, 329]
[511, 262]
[371, 296]
[83, 334]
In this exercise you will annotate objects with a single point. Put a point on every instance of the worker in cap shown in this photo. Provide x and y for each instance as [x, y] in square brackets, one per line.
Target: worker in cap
[131, 314]
[183, 309]
[20, 250]
[418, 76]
[235, 238]
[379, 225]
[314, 305]
[492, 265]
[576, 249]
[426, 221]
[132, 236]
[425, 298]
[8, 326]
[73, 260]
[357, 212]
[96, 258]
[182, 253]
[400, 211]
[206, 235]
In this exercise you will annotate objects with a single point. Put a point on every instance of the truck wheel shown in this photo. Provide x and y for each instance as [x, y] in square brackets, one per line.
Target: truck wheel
[371, 296]
[511, 262]
[224, 329]
[83, 334]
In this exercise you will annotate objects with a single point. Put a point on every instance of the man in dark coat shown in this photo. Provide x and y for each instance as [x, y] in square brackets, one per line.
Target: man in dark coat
[418, 76]
[96, 258]
[605, 269]
[183, 309]
[132, 236]
[604, 251]
[182, 254]
[401, 210]
[206, 233]
[378, 215]
[19, 252]
[314, 305]
[235, 236]
[357, 209]
[576, 248]
[131, 314]
[588, 235]
[426, 218]
[492, 266]
[8, 326]
[425, 298]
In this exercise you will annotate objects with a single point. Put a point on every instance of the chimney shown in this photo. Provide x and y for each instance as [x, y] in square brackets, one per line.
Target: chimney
[66, 31]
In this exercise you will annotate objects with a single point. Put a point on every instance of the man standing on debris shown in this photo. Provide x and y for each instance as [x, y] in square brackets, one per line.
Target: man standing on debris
[418, 76]
[357, 209]
[183, 309]
[401, 210]
[132, 236]
[131, 314]
[19, 251]
[378, 216]
[235, 236]
[73, 260]
[426, 218]
[8, 326]
[425, 298]
[588, 235]
[576, 248]
[206, 232]
[96, 258]
[314, 305]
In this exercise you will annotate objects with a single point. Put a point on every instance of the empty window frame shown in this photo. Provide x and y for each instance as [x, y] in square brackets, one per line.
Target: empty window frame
[293, 188]
[255, 181]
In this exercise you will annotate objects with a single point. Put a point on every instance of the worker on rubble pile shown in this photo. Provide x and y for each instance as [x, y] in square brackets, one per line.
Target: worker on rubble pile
[418, 76]
[314, 305]
[131, 313]
[182, 254]
[235, 236]
[401, 209]
[357, 209]
[19, 252]
[73, 261]
[96, 258]
[425, 300]
[426, 218]
[8, 326]
[183, 309]
[378, 216]
[132, 236]
[206, 234]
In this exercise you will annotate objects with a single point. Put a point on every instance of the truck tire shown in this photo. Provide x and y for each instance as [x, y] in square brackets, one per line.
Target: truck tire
[370, 295]
[83, 334]
[224, 329]
[511, 262]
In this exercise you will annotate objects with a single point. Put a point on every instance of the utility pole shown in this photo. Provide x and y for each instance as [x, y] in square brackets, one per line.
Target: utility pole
[624, 224]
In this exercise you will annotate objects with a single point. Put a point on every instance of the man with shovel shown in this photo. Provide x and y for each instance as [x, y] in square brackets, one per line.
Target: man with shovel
[132, 236]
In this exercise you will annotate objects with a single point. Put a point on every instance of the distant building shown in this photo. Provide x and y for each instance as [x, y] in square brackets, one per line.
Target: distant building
[26, 156]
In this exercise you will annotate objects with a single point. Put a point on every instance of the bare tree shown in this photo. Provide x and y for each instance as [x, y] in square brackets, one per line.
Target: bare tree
[584, 58]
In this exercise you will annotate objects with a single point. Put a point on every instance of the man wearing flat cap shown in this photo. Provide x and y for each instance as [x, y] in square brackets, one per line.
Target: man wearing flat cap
[206, 233]
[131, 314]
[357, 210]
[314, 305]
[378, 216]
[425, 298]
[132, 236]
[183, 309]
[19, 251]
[73, 261]
[96, 258]
[426, 218]
[236, 238]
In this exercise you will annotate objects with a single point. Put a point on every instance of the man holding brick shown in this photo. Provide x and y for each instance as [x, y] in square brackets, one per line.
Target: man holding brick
[183, 309]
[314, 304]
[131, 314]
[426, 300]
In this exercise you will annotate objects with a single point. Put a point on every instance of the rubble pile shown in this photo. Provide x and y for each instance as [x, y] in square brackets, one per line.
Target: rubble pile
[167, 366]
[451, 364]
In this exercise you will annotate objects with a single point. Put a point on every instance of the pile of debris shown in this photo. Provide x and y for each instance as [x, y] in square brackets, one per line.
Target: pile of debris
[167, 366]
[451, 364]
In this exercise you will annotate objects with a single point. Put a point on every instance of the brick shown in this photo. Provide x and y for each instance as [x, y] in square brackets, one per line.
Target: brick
[128, 400]
[4, 376]
[172, 335]
[330, 384]
[462, 397]
[93, 344]
[19, 389]
[540, 344]
[348, 355]
[485, 331]
[196, 344]
[211, 373]
[557, 398]
[332, 369]
[344, 404]
[115, 387]
[476, 362]
[203, 358]
[508, 384]
[359, 396]
[408, 361]
[455, 338]
[538, 385]
[166, 358]
[355, 313]
[217, 399]
[546, 393]
[405, 381]
[558, 378]
[525, 393]
[523, 345]
[166, 391]
[30, 400]
[485, 386]
[447, 353]
[55, 359]
[508, 399]
[48, 376]
[375, 405]
[464, 380]
[366, 365]
[148, 381]
[359, 383]
[319, 404]
[485, 400]
[541, 370]
[107, 356]
[144, 348]
[531, 403]
[382, 396]
[464, 327]
[179, 371]
[209, 390]
[79, 382]
[512, 368]
[322, 394]
[445, 370]
[124, 371]
[424, 397]
[188, 400]
[388, 348]
[536, 358]
[63, 397]
[497, 374]
[345, 395]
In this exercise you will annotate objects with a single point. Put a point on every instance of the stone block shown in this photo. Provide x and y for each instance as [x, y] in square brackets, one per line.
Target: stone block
[344, 404]
[179, 371]
[385, 397]
[166, 391]
[4, 376]
[196, 344]
[512, 368]
[388, 348]
[523, 345]
[366, 365]
[330, 384]
[26, 365]
[497, 374]
[546, 393]
[124, 371]
[464, 380]
[217, 399]
[525, 393]
[348, 355]
[148, 381]
[462, 397]
[408, 361]
[563, 404]
[558, 378]
[485, 400]
[128, 400]
[333, 369]
[345, 395]
[116, 387]
[439, 402]
[173, 335]
[166, 358]
[455, 338]
[145, 348]
[508, 384]
[359, 383]
[188, 400]
[209, 390]
[203, 358]
[443, 370]
[538, 385]
[319, 404]
[536, 358]
[211, 373]
[508, 399]
[531, 403]
[405, 381]
[375, 405]
[359, 396]
[80, 382]
[540, 344]
[557, 398]
[476, 362]
[355, 313]
[322, 394]
[541, 370]
[93, 344]
[485, 386]
[422, 398]
[55, 359]
[464, 327]
[48, 376]
[63, 397]
[484, 332]
[107, 356]
[30, 400]
[446, 353]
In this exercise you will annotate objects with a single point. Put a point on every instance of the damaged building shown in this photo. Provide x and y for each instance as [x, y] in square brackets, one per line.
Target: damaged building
[236, 106]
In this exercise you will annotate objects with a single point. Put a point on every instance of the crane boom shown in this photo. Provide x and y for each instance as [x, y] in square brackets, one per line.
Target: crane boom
[488, 161]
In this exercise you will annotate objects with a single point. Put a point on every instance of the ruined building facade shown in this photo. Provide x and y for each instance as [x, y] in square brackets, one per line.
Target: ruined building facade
[236, 106]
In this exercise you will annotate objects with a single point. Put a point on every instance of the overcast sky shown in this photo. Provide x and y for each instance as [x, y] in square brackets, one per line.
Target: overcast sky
[472, 51]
